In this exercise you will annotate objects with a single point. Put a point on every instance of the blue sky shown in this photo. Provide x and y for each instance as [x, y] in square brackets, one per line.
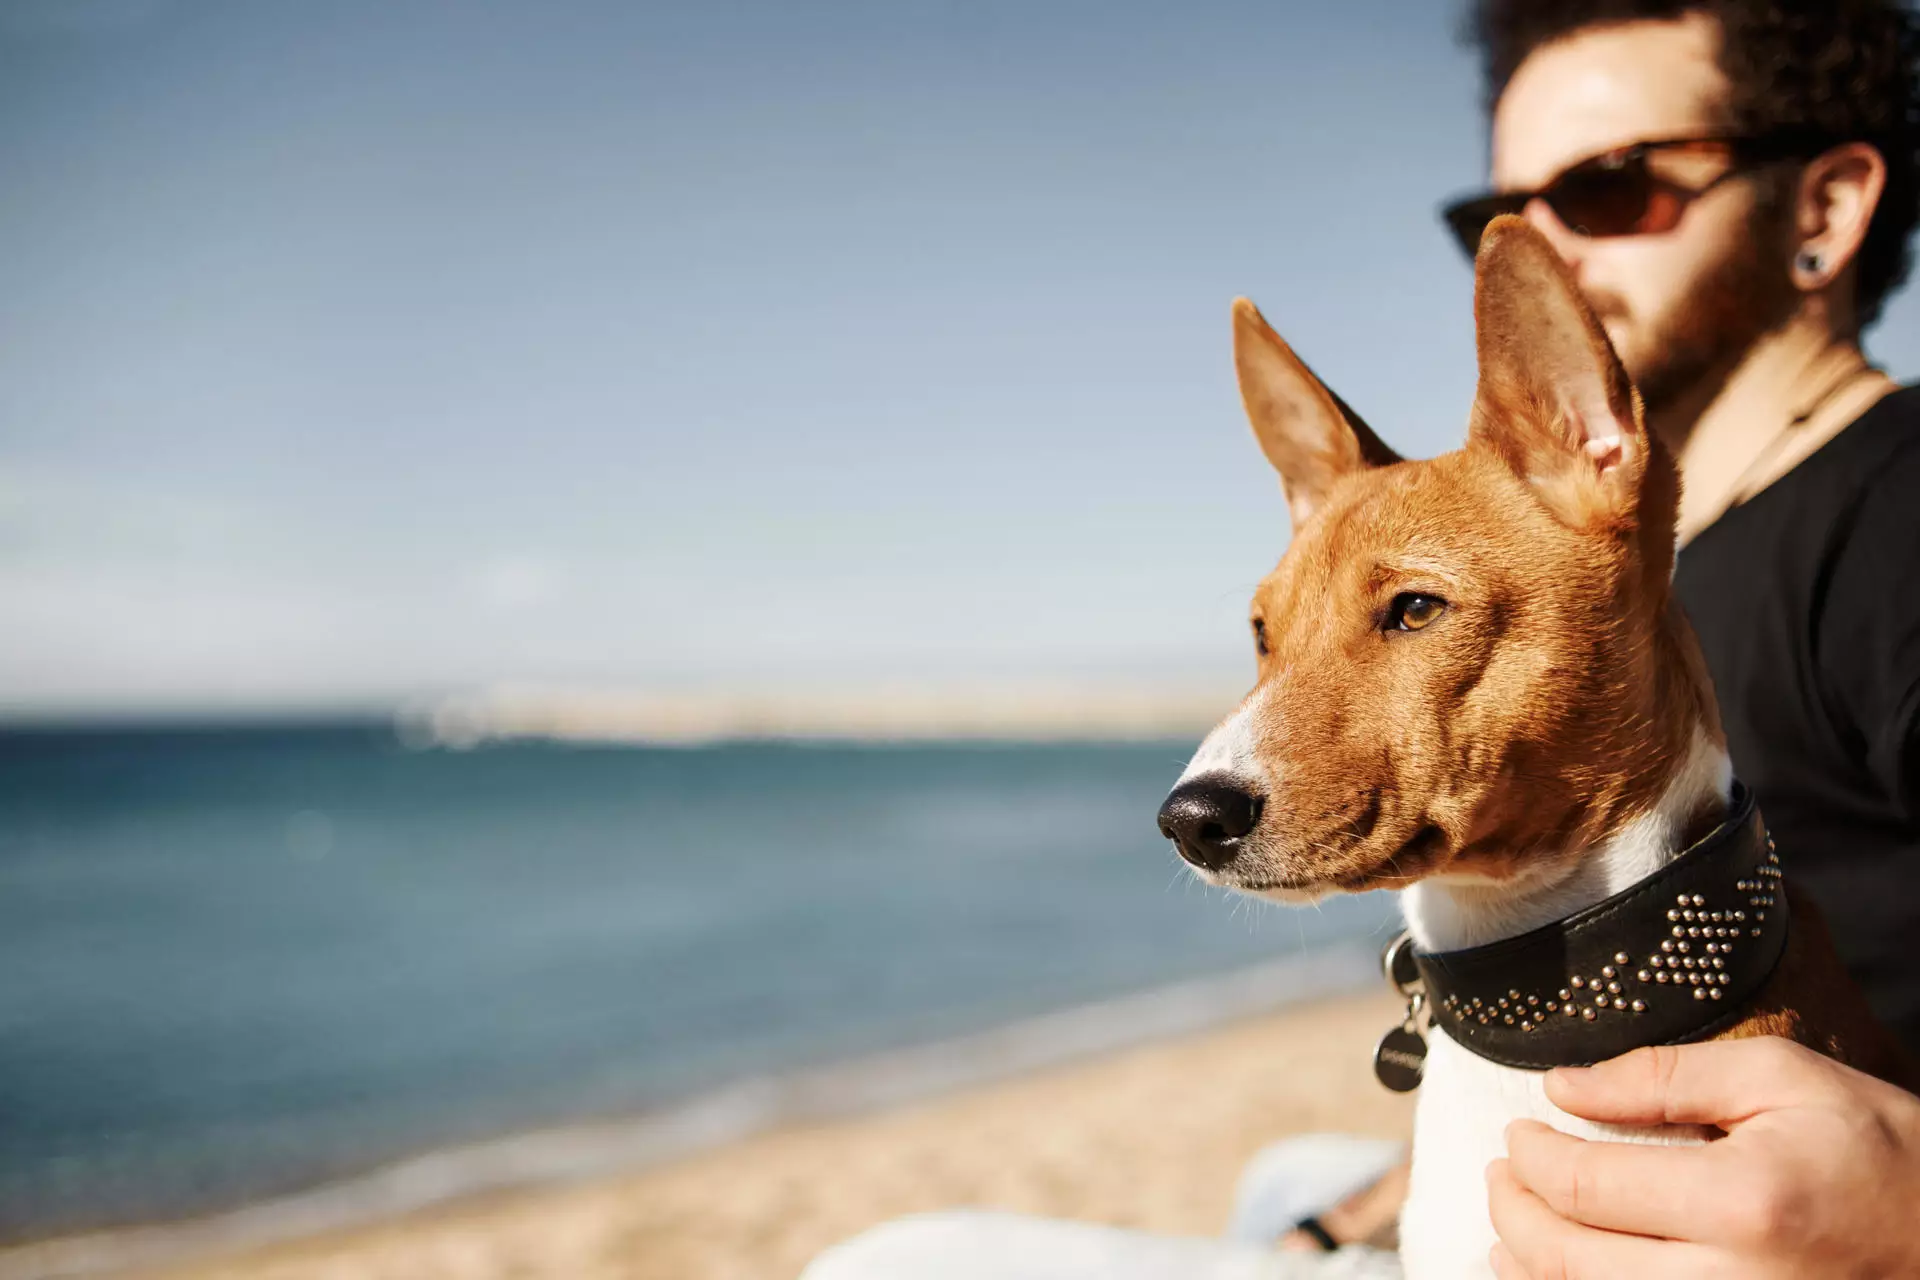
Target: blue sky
[361, 350]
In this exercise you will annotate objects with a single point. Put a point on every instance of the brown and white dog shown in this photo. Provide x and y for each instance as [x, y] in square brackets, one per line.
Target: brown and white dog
[1475, 686]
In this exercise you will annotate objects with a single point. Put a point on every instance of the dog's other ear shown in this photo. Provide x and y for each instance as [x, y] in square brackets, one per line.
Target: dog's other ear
[1308, 433]
[1553, 401]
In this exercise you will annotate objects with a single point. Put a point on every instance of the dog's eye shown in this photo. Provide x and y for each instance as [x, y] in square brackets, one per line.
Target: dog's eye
[1260, 636]
[1411, 611]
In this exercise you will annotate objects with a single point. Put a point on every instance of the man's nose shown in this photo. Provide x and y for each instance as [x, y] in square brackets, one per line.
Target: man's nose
[1207, 818]
[1569, 244]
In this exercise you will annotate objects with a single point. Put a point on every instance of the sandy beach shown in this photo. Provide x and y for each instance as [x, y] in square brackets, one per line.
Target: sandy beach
[1152, 1137]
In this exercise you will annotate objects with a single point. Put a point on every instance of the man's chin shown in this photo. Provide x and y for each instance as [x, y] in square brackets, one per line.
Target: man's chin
[1652, 374]
[1620, 332]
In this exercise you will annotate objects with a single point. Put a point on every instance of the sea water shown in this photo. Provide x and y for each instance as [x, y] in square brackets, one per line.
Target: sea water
[235, 964]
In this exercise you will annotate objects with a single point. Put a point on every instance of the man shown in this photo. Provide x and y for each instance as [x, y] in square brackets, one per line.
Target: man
[1734, 280]
[1734, 183]
[1736, 295]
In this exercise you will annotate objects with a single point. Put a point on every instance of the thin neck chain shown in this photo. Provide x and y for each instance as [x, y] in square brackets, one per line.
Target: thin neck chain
[1737, 491]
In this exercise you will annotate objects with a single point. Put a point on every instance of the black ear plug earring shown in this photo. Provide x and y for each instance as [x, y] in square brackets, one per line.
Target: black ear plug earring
[1811, 262]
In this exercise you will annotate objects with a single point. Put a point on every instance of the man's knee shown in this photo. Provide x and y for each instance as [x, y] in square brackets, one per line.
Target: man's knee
[911, 1246]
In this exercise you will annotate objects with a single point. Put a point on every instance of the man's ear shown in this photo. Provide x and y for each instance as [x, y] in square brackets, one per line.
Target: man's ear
[1553, 401]
[1839, 191]
[1307, 432]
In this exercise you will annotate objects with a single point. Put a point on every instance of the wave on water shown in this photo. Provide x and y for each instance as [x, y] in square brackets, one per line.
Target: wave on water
[576, 1153]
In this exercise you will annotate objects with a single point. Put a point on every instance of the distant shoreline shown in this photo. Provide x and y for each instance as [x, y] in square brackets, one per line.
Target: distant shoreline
[1010, 713]
[562, 1156]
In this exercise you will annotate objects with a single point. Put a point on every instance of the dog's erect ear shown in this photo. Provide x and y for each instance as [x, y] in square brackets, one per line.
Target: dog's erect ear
[1553, 401]
[1307, 432]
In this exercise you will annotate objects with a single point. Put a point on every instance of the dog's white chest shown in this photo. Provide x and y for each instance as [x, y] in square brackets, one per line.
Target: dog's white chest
[1460, 1125]
[1465, 1105]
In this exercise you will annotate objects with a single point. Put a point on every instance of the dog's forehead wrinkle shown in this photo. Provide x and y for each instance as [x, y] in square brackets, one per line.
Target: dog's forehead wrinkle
[1394, 517]
[1421, 560]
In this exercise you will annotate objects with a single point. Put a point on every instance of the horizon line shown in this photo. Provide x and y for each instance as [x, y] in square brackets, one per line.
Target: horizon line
[1025, 711]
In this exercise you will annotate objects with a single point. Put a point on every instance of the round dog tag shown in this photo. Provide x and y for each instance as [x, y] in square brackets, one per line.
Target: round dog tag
[1399, 1059]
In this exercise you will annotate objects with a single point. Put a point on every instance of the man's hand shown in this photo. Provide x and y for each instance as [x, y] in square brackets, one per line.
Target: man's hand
[1819, 1174]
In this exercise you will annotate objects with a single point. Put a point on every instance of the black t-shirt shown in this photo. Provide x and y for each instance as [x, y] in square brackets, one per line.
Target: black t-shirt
[1807, 602]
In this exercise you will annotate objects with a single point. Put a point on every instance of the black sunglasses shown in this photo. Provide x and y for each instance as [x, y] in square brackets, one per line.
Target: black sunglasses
[1616, 193]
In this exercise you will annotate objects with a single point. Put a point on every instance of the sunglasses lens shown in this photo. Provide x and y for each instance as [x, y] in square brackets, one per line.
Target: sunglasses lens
[1612, 201]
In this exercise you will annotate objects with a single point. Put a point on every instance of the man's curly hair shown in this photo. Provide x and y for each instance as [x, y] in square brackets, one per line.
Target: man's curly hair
[1832, 71]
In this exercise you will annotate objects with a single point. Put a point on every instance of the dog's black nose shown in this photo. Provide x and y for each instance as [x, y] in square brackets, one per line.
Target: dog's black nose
[1206, 818]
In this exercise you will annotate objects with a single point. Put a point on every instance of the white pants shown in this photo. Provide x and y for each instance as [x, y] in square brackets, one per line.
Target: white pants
[1282, 1184]
[970, 1245]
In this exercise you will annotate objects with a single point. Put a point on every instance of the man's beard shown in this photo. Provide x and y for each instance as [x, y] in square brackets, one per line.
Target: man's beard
[1708, 331]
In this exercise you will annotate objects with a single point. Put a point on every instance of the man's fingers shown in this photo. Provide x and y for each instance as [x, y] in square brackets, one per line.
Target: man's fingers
[1721, 1082]
[1616, 1186]
[1505, 1265]
[1548, 1247]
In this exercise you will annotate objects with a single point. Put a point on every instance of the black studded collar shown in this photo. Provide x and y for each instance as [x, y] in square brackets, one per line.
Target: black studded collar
[1671, 959]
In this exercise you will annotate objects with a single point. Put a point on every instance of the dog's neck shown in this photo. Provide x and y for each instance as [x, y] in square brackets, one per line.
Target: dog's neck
[1447, 914]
